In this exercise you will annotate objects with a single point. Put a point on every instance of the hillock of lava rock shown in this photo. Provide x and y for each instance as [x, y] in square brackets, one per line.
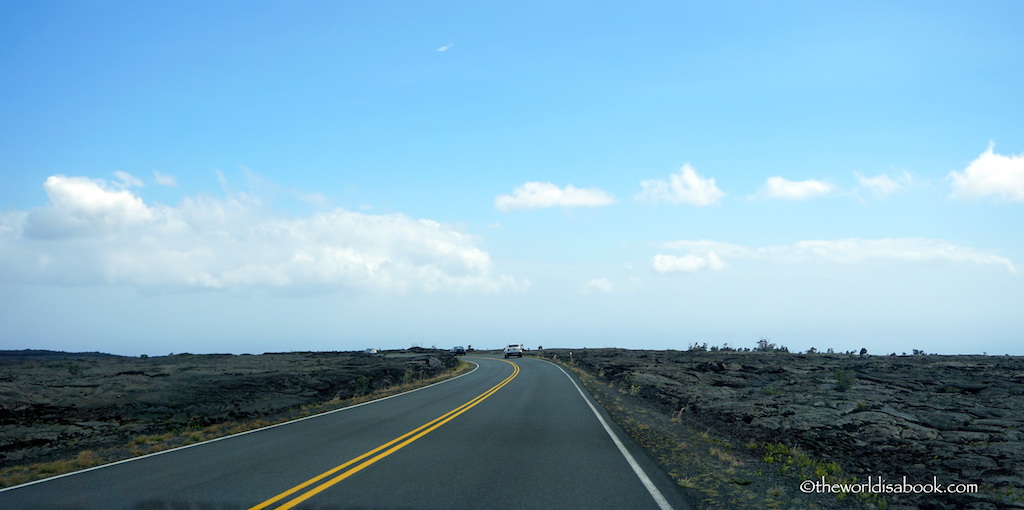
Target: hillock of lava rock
[959, 419]
[53, 405]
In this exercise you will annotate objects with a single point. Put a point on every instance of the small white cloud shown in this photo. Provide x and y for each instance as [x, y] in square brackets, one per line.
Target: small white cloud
[127, 180]
[991, 175]
[596, 286]
[446, 47]
[838, 251]
[852, 251]
[686, 186]
[687, 263]
[165, 180]
[883, 185]
[777, 187]
[314, 199]
[535, 195]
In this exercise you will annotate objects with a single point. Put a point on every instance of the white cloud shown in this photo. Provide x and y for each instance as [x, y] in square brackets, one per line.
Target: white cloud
[687, 263]
[686, 186]
[882, 185]
[853, 251]
[95, 235]
[127, 180]
[446, 47]
[848, 251]
[727, 250]
[596, 286]
[315, 199]
[991, 175]
[81, 206]
[777, 187]
[533, 195]
[165, 180]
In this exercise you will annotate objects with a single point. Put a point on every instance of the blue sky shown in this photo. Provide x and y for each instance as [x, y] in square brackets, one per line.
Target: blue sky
[268, 176]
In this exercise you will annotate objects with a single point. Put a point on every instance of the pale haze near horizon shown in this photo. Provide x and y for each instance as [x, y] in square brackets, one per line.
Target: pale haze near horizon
[245, 178]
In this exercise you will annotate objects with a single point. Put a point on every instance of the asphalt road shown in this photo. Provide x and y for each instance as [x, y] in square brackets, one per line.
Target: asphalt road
[516, 434]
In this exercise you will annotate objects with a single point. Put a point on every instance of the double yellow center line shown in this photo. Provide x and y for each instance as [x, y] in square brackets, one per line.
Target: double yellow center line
[319, 483]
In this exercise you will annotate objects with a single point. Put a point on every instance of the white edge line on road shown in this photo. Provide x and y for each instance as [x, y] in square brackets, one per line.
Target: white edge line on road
[655, 493]
[240, 433]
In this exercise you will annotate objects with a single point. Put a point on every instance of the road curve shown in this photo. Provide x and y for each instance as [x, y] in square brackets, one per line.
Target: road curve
[510, 434]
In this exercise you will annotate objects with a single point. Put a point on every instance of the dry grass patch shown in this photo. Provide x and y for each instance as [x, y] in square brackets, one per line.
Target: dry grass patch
[724, 456]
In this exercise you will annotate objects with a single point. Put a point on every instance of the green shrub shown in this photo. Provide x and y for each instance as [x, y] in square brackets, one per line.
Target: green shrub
[362, 385]
[844, 380]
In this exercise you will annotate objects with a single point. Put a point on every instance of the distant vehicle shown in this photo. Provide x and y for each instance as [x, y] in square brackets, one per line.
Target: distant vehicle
[370, 351]
[458, 349]
[514, 350]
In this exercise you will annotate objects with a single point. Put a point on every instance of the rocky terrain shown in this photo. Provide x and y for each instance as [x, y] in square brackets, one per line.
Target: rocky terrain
[756, 422]
[55, 405]
[955, 418]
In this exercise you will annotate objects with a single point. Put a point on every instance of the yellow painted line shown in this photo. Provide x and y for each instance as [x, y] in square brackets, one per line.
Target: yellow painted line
[374, 455]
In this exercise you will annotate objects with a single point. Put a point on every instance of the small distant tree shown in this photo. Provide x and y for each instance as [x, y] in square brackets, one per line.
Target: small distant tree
[863, 351]
[765, 345]
[812, 350]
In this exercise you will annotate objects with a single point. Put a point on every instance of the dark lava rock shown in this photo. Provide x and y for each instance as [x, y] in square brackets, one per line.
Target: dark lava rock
[53, 405]
[959, 419]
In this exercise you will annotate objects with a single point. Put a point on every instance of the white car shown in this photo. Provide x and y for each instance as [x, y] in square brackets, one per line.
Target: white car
[514, 350]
